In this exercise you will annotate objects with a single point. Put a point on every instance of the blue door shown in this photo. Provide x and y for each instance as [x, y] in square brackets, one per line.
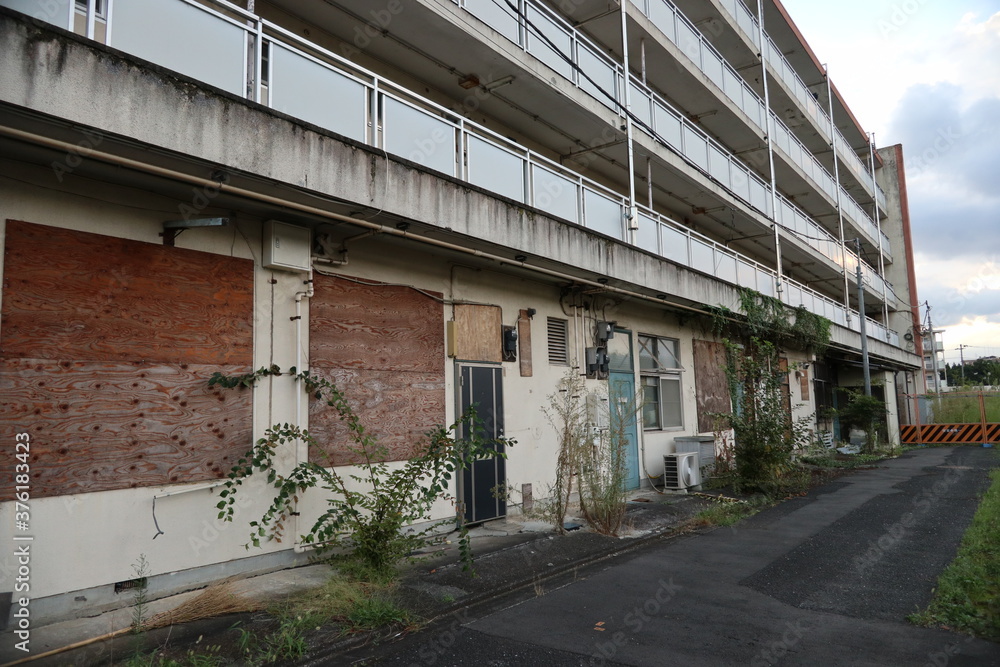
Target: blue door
[623, 402]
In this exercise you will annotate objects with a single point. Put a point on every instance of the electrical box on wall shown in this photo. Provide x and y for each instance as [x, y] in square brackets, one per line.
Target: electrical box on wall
[287, 247]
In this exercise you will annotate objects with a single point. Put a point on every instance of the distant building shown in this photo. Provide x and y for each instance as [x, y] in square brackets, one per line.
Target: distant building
[934, 359]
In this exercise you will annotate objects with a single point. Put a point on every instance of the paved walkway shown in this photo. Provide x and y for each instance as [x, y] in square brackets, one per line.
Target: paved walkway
[822, 580]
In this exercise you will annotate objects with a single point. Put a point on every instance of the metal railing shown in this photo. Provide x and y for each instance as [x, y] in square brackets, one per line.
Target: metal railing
[254, 58]
[688, 38]
[746, 20]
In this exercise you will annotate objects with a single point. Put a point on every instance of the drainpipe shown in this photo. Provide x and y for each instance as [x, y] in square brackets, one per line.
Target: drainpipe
[769, 131]
[302, 449]
[630, 215]
[878, 226]
[840, 209]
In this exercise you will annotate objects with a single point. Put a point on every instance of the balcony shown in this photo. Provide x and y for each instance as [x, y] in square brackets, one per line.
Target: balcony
[355, 102]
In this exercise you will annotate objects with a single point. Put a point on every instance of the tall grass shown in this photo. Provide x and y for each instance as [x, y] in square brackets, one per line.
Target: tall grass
[963, 408]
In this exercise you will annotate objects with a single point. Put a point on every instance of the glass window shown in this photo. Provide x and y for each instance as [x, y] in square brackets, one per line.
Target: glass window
[660, 365]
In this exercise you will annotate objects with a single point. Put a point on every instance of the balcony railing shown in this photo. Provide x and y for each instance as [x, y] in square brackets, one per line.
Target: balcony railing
[748, 23]
[686, 36]
[306, 81]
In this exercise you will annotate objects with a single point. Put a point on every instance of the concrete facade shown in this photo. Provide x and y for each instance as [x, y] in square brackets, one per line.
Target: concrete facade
[101, 141]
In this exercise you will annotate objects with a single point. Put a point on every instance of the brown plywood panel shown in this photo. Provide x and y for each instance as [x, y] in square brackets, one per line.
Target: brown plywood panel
[97, 426]
[524, 343]
[87, 297]
[478, 333]
[398, 408]
[712, 385]
[804, 384]
[375, 327]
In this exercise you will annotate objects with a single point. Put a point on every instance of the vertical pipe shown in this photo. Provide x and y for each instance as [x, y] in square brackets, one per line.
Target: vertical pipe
[878, 227]
[769, 130]
[649, 182]
[864, 321]
[630, 215]
[642, 58]
[836, 178]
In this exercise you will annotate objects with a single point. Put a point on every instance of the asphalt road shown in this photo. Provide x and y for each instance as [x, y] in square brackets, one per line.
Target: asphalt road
[822, 580]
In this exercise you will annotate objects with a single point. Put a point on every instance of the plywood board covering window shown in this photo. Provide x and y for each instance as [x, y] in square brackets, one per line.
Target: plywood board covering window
[711, 383]
[383, 345]
[478, 333]
[106, 349]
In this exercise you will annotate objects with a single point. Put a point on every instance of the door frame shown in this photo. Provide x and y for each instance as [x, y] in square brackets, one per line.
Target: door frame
[499, 508]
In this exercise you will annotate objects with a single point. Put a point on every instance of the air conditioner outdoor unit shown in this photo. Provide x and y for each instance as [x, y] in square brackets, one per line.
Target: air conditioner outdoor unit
[681, 471]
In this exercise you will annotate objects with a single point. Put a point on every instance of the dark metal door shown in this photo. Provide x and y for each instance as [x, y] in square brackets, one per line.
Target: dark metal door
[483, 483]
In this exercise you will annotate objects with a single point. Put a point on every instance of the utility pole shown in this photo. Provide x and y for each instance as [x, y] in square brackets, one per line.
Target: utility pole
[861, 316]
[961, 355]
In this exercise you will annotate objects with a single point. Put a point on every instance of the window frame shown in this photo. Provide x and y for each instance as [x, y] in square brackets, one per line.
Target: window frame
[649, 349]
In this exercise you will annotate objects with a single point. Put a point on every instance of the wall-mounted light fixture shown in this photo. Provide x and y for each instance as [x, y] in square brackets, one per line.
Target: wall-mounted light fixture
[173, 228]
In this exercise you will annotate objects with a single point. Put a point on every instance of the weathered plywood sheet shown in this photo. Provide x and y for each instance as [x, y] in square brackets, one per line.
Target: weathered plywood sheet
[375, 327]
[87, 297]
[398, 408]
[712, 385]
[478, 333]
[524, 343]
[97, 426]
[107, 347]
[383, 346]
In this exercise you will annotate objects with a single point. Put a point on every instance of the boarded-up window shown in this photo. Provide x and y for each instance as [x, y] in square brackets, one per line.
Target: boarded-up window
[107, 348]
[478, 333]
[712, 385]
[383, 346]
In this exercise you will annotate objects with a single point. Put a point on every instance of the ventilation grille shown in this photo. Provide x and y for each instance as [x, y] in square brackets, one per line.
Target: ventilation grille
[558, 341]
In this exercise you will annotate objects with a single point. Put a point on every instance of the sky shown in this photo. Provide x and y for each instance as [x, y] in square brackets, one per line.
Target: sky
[926, 74]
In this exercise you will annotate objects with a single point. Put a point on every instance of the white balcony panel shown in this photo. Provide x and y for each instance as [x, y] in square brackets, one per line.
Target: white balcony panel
[702, 257]
[746, 275]
[183, 38]
[718, 166]
[741, 182]
[765, 283]
[725, 267]
[663, 16]
[646, 237]
[760, 197]
[696, 148]
[497, 16]
[687, 40]
[56, 12]
[674, 245]
[496, 169]
[714, 68]
[557, 35]
[605, 77]
[604, 214]
[419, 136]
[668, 126]
[642, 105]
[555, 194]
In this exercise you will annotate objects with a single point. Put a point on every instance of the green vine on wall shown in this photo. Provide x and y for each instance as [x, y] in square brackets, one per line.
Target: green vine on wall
[369, 519]
[764, 432]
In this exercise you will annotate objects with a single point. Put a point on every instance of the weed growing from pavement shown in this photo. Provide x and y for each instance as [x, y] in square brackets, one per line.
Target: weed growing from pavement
[967, 598]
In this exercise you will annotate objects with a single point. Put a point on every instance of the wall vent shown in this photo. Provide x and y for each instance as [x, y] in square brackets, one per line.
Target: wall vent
[558, 341]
